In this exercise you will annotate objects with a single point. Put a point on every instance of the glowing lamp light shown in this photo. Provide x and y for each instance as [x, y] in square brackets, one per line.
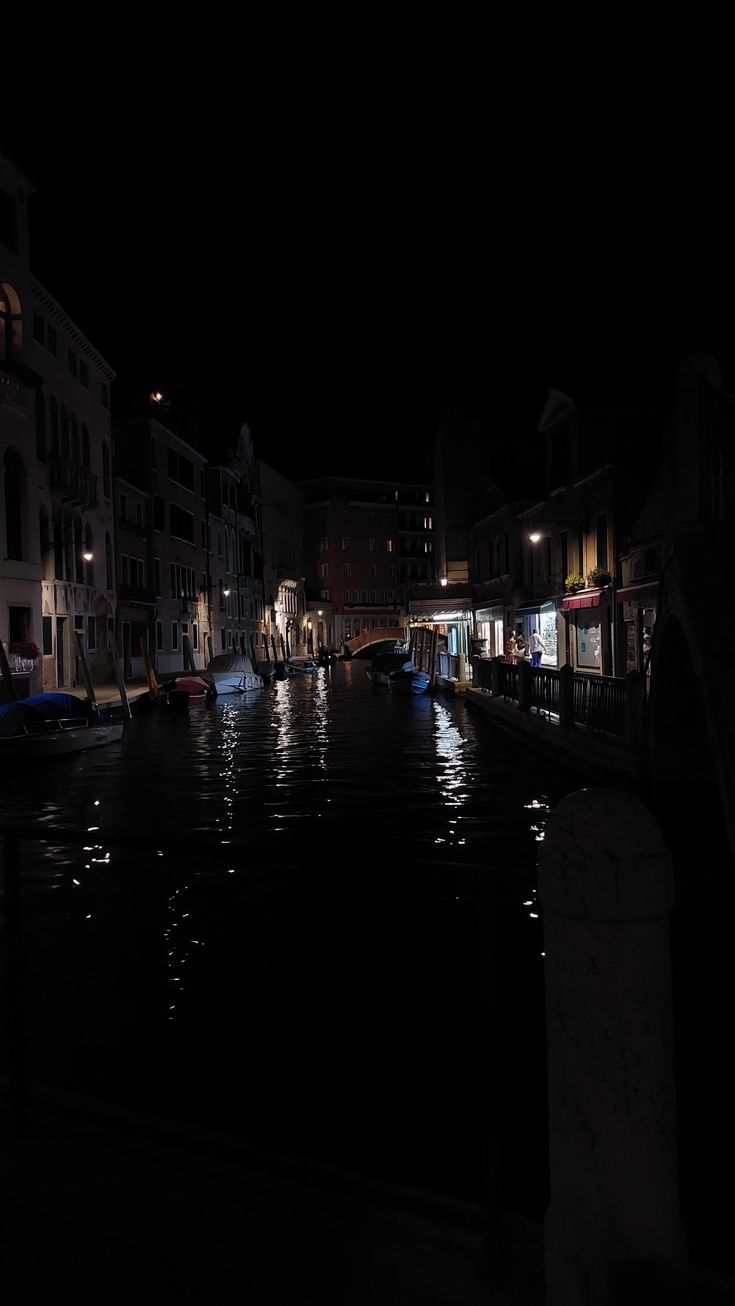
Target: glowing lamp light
[156, 397]
[443, 580]
[88, 557]
[226, 593]
[319, 612]
[534, 537]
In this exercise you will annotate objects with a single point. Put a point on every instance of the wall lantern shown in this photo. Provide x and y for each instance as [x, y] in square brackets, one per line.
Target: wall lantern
[88, 557]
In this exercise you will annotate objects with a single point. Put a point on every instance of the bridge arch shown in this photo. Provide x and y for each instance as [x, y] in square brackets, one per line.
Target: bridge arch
[380, 636]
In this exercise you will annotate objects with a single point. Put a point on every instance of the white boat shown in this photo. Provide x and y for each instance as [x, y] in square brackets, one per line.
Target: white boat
[52, 725]
[232, 673]
[296, 666]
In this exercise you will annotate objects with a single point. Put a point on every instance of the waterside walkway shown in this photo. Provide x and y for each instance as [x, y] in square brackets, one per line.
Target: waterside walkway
[600, 757]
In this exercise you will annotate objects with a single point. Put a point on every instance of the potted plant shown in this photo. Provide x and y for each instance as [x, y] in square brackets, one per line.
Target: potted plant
[598, 577]
[574, 582]
[25, 649]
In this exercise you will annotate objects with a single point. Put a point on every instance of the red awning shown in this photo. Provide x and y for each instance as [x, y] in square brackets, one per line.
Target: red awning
[589, 599]
[631, 593]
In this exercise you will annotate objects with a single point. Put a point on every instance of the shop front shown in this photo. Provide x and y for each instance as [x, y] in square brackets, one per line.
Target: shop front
[639, 618]
[489, 628]
[541, 616]
[590, 635]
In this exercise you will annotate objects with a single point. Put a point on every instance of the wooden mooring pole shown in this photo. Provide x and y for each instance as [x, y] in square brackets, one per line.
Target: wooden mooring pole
[112, 653]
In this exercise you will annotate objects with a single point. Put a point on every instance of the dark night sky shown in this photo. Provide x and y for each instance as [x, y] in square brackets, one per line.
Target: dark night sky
[337, 227]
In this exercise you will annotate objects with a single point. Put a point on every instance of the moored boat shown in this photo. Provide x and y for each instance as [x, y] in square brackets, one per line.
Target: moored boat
[180, 691]
[232, 673]
[54, 725]
[297, 666]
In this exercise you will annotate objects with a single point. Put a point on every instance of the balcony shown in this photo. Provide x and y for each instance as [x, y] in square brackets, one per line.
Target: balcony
[73, 483]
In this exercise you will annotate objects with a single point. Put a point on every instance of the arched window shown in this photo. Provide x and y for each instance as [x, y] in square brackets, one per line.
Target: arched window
[64, 432]
[105, 470]
[11, 322]
[58, 548]
[74, 438]
[68, 530]
[78, 549]
[14, 503]
[108, 561]
[85, 447]
[46, 543]
[89, 548]
[40, 426]
[227, 551]
[233, 550]
[54, 415]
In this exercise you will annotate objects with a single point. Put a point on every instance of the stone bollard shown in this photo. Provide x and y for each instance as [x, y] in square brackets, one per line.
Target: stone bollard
[606, 889]
[525, 686]
[566, 696]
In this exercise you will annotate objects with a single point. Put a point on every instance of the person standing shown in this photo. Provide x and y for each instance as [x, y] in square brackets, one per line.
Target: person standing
[521, 650]
[510, 648]
[537, 647]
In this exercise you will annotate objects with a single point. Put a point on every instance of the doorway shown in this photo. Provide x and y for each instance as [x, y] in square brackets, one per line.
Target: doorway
[60, 660]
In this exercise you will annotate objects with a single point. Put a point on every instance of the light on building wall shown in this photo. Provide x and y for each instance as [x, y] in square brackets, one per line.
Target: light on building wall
[309, 624]
[534, 537]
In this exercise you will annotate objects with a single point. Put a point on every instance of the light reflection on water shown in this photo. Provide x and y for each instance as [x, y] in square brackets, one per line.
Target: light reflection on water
[319, 794]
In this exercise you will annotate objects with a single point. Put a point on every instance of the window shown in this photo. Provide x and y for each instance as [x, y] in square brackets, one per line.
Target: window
[174, 635]
[602, 540]
[85, 446]
[324, 594]
[345, 541]
[159, 635]
[139, 515]
[372, 544]
[51, 341]
[72, 362]
[324, 570]
[14, 504]
[39, 328]
[48, 639]
[157, 576]
[105, 470]
[91, 634]
[389, 546]
[194, 635]
[83, 374]
[346, 569]
[345, 515]
[123, 509]
[323, 544]
[390, 569]
[104, 395]
[108, 562]
[564, 541]
[40, 426]
[204, 534]
[180, 469]
[181, 523]
[373, 570]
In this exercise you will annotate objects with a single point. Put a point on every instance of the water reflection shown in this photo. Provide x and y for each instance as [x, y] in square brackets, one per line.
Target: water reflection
[451, 772]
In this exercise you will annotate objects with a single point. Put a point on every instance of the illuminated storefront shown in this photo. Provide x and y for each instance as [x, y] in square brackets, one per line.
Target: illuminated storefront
[541, 616]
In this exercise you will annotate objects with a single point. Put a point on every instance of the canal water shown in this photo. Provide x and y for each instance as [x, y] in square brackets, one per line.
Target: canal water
[307, 916]
[327, 939]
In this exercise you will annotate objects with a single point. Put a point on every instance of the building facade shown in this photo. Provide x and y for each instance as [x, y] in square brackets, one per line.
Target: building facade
[57, 576]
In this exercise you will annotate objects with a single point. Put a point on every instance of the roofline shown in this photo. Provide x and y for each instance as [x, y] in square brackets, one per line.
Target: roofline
[62, 317]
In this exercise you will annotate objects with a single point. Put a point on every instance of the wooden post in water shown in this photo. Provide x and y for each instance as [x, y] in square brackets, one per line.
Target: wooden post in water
[209, 646]
[150, 673]
[84, 668]
[112, 654]
[189, 664]
[434, 655]
[7, 675]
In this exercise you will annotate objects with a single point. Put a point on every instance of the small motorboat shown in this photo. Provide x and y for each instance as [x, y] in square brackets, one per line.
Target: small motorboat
[232, 673]
[392, 670]
[301, 666]
[180, 691]
[53, 725]
[420, 681]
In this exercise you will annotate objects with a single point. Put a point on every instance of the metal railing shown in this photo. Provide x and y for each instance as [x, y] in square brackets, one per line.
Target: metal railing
[598, 702]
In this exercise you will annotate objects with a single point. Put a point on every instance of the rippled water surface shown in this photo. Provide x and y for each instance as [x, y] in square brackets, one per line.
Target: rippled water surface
[328, 938]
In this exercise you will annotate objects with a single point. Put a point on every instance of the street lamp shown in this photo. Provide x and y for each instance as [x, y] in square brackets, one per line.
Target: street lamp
[88, 556]
[534, 537]
[443, 580]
